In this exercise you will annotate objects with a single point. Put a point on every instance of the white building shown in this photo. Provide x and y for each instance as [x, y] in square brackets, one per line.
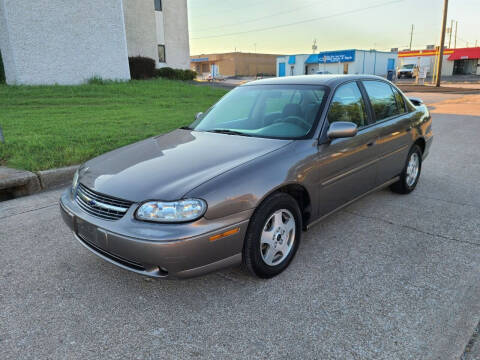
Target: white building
[338, 62]
[69, 42]
[461, 61]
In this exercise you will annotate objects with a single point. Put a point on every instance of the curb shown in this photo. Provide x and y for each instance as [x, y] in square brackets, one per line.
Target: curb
[16, 183]
[56, 177]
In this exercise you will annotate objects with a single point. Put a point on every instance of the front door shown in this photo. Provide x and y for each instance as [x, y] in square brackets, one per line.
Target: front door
[391, 65]
[346, 167]
[281, 69]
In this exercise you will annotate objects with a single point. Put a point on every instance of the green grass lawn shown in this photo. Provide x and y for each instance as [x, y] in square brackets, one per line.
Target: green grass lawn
[53, 126]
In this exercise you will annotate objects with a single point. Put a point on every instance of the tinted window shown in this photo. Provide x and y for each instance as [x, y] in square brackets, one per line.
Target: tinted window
[158, 5]
[348, 105]
[382, 98]
[400, 101]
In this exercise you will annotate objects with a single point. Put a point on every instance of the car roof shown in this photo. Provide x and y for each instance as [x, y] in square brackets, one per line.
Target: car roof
[330, 80]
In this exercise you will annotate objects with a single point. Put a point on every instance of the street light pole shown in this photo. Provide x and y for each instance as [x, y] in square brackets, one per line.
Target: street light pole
[442, 43]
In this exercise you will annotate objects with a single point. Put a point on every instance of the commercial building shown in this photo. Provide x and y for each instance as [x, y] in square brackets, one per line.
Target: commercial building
[462, 61]
[338, 62]
[59, 42]
[234, 64]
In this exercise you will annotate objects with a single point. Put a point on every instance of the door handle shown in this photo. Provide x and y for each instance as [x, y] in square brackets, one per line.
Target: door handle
[371, 144]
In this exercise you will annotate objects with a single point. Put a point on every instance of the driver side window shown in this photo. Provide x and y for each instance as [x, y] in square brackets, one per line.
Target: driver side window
[348, 105]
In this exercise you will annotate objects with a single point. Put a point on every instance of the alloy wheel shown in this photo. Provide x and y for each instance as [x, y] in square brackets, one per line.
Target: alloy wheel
[277, 237]
[412, 169]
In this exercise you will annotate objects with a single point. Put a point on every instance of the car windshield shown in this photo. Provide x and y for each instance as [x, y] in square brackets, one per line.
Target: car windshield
[272, 111]
[410, 66]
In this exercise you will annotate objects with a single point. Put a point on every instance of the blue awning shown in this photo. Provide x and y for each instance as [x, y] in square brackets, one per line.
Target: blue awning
[312, 59]
[291, 60]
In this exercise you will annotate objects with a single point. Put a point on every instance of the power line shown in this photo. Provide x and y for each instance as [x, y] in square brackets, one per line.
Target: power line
[300, 22]
[261, 18]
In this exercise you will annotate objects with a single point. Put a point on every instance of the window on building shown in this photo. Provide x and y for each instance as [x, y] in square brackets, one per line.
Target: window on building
[382, 99]
[161, 53]
[158, 5]
[348, 105]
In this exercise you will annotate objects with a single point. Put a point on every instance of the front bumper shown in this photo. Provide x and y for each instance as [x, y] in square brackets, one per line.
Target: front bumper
[158, 250]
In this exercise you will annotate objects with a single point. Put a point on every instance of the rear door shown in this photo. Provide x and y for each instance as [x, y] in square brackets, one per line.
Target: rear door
[393, 126]
[346, 168]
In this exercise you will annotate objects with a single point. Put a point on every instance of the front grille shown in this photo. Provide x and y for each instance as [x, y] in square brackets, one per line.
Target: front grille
[116, 258]
[99, 205]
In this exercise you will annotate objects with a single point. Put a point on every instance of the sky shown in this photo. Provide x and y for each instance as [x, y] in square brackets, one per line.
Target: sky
[291, 26]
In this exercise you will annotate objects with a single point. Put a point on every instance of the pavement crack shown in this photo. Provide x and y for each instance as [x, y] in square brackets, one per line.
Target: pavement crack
[29, 211]
[412, 228]
[473, 340]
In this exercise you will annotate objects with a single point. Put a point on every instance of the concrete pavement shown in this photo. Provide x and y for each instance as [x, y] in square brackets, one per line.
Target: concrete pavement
[389, 277]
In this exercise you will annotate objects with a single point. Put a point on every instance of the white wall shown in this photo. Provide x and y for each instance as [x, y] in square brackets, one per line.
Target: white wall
[54, 41]
[428, 61]
[177, 45]
[372, 62]
[298, 67]
[140, 28]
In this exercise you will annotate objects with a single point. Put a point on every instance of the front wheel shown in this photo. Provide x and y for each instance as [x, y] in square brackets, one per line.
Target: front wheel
[273, 236]
[411, 172]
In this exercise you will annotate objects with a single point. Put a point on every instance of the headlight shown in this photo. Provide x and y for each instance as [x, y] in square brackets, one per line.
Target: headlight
[75, 182]
[176, 211]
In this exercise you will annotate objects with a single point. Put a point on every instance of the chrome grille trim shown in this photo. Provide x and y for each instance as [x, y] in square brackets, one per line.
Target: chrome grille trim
[100, 205]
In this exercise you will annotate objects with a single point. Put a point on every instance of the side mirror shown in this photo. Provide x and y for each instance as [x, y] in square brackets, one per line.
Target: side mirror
[198, 115]
[342, 129]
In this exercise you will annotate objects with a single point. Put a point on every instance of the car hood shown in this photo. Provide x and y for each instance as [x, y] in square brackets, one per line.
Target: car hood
[168, 166]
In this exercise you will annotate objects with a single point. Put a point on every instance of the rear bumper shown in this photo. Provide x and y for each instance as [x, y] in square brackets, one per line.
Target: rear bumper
[158, 250]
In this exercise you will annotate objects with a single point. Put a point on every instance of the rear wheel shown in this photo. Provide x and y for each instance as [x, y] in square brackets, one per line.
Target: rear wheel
[411, 172]
[273, 236]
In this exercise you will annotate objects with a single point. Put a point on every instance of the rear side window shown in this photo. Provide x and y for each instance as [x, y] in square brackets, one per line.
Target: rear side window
[382, 98]
[400, 101]
[348, 105]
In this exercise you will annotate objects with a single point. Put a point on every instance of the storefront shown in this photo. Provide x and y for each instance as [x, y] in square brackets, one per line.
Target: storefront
[466, 61]
[463, 61]
[338, 62]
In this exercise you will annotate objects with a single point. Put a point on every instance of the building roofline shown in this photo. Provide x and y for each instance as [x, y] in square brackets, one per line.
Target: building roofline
[232, 53]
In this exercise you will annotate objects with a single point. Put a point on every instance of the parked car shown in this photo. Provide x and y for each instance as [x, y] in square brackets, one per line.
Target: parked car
[239, 185]
[406, 71]
[323, 72]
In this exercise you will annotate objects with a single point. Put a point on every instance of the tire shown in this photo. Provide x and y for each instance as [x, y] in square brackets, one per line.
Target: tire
[271, 232]
[407, 184]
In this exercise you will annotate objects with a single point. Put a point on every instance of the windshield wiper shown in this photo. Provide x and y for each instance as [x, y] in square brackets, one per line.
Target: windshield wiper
[228, 132]
[186, 128]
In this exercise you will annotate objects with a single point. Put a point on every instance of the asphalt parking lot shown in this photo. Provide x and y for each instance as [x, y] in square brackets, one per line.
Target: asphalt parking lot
[389, 277]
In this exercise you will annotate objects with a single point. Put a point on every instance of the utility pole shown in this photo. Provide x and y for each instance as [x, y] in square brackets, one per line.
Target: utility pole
[451, 31]
[456, 26]
[411, 37]
[442, 43]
